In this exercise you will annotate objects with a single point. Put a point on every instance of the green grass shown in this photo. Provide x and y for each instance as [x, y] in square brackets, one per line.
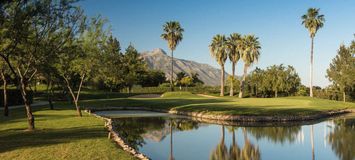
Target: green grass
[184, 101]
[59, 134]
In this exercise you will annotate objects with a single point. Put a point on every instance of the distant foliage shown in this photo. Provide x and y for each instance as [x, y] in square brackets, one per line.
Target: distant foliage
[273, 81]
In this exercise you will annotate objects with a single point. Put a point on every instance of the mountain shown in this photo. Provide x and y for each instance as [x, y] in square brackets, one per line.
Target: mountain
[159, 60]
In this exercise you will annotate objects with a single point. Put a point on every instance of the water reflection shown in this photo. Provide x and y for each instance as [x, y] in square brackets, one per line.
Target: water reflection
[342, 138]
[160, 138]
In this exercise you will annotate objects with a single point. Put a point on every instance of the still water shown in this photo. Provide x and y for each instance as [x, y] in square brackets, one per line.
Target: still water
[162, 136]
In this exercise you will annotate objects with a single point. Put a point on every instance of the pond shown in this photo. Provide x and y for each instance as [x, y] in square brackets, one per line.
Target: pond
[162, 136]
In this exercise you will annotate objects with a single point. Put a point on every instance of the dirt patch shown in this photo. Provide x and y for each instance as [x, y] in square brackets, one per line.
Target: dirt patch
[207, 96]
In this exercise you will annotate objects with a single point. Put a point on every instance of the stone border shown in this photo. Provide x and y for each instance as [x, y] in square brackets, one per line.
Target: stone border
[112, 134]
[235, 118]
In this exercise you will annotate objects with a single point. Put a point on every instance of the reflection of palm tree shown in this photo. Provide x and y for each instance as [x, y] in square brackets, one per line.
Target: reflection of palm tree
[249, 151]
[171, 157]
[234, 150]
[220, 152]
[312, 142]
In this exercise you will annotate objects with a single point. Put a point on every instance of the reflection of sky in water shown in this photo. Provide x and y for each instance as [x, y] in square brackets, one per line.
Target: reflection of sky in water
[200, 143]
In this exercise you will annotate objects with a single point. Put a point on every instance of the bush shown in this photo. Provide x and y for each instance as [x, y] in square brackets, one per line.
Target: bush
[14, 97]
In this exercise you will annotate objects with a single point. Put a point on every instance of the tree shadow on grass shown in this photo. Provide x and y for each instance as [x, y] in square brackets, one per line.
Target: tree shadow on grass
[16, 139]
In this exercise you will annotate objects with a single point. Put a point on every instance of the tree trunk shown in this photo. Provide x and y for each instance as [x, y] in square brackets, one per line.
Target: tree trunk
[276, 94]
[243, 81]
[30, 117]
[231, 92]
[222, 81]
[311, 71]
[49, 96]
[344, 96]
[75, 100]
[172, 71]
[6, 107]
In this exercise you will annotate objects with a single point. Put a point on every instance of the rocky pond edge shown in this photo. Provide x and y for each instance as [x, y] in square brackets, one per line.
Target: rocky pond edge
[204, 117]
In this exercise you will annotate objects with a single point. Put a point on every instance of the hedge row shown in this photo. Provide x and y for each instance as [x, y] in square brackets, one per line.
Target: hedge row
[159, 90]
[14, 97]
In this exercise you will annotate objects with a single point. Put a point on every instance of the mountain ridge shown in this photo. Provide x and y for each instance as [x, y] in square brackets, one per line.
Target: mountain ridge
[159, 60]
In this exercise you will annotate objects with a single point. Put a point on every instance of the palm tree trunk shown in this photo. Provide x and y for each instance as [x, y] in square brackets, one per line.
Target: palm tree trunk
[222, 81]
[231, 93]
[172, 71]
[276, 94]
[344, 96]
[311, 71]
[243, 81]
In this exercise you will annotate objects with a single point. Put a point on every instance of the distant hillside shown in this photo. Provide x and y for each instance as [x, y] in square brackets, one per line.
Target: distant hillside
[159, 60]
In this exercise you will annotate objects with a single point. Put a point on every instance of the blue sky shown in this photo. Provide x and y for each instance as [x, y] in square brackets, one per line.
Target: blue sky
[277, 23]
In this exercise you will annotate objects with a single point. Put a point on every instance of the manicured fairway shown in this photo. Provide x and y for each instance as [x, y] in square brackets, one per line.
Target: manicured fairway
[184, 101]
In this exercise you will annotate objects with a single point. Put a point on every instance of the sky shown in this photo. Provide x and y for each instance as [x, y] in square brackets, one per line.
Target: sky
[277, 23]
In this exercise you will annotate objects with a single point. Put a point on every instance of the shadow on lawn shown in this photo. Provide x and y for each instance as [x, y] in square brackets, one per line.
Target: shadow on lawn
[16, 139]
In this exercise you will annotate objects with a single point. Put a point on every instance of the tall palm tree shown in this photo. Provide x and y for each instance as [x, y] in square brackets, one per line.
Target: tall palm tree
[313, 21]
[249, 52]
[218, 49]
[172, 34]
[234, 55]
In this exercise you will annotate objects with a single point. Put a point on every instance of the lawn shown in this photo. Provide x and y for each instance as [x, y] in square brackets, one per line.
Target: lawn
[59, 134]
[184, 101]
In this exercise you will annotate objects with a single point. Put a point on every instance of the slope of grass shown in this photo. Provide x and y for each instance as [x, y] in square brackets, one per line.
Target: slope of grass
[59, 134]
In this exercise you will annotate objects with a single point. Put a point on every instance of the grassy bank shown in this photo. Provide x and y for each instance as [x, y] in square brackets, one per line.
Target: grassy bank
[59, 134]
[184, 101]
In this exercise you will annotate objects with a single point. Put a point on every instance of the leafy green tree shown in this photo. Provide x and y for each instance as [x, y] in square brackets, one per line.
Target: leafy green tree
[342, 70]
[313, 21]
[26, 26]
[179, 77]
[187, 81]
[234, 55]
[250, 51]
[81, 58]
[256, 80]
[152, 78]
[111, 70]
[218, 49]
[173, 34]
[134, 67]
[233, 81]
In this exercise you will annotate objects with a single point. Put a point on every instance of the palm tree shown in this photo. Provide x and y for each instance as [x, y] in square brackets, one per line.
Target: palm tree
[218, 51]
[249, 52]
[234, 55]
[313, 21]
[172, 34]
